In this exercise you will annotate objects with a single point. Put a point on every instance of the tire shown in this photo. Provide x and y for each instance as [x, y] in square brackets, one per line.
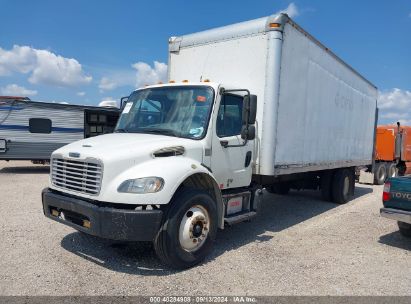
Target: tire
[176, 244]
[280, 188]
[405, 229]
[380, 174]
[326, 186]
[342, 186]
[401, 169]
[392, 170]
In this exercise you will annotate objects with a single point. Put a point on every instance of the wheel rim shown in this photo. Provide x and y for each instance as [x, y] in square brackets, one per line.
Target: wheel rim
[382, 173]
[346, 186]
[194, 228]
[393, 172]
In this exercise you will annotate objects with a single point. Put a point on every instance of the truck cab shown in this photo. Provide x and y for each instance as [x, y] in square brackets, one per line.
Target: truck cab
[181, 153]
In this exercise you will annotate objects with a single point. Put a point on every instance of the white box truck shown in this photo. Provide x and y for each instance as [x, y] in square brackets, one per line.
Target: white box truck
[259, 104]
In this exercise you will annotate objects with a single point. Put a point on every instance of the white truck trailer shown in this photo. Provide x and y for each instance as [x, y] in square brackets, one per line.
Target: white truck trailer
[259, 104]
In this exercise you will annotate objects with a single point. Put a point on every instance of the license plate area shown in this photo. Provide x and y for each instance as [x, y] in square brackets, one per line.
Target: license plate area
[70, 216]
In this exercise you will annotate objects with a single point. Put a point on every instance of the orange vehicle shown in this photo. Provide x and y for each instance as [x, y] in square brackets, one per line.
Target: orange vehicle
[392, 152]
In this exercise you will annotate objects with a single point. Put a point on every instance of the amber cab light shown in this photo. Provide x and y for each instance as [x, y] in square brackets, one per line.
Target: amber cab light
[274, 25]
[386, 192]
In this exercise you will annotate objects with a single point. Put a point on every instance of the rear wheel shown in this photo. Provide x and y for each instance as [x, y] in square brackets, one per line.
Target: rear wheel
[405, 229]
[189, 229]
[342, 186]
[380, 173]
[392, 170]
[401, 169]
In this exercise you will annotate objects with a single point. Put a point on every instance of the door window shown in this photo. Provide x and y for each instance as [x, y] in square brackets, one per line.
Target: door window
[229, 119]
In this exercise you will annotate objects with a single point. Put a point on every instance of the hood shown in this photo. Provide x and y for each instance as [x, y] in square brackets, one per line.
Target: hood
[129, 148]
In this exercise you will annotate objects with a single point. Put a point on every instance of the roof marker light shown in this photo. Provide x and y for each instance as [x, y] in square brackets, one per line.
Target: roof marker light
[274, 25]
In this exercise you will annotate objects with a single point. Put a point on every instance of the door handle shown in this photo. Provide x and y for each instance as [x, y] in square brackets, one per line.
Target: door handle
[224, 143]
[247, 159]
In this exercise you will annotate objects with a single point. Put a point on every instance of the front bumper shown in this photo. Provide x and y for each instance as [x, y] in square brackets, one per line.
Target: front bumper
[104, 222]
[396, 214]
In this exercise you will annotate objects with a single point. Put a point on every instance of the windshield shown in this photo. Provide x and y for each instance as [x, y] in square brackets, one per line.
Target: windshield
[173, 111]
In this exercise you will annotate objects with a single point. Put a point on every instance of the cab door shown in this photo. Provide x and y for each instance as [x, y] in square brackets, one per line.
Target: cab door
[231, 155]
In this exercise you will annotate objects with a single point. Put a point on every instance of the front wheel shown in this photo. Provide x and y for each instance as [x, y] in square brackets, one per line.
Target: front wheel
[189, 229]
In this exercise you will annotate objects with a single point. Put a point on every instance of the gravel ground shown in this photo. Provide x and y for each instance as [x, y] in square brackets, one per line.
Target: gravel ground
[298, 245]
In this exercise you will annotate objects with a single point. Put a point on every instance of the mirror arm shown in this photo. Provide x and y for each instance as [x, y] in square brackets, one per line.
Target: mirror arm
[122, 101]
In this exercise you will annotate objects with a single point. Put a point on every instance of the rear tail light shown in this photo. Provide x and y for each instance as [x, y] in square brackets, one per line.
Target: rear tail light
[386, 192]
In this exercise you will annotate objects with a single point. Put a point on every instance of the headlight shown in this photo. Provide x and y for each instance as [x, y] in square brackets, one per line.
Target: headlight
[142, 185]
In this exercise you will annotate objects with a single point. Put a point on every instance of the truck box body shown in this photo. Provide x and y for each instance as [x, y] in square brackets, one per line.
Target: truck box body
[314, 111]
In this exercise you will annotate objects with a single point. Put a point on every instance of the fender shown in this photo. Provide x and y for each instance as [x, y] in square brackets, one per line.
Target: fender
[174, 170]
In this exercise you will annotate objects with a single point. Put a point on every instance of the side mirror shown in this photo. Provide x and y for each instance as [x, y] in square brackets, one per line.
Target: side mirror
[248, 132]
[249, 109]
[253, 109]
[123, 101]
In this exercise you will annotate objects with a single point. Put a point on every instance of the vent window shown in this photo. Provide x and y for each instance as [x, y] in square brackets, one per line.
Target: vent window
[40, 125]
[170, 151]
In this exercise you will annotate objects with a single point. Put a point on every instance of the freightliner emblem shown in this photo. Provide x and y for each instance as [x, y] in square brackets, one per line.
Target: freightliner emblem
[74, 154]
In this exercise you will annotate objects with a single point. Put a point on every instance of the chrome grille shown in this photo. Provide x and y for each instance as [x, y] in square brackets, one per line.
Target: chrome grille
[76, 175]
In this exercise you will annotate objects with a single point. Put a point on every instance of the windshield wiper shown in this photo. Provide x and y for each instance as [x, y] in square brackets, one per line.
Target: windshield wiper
[159, 131]
[120, 131]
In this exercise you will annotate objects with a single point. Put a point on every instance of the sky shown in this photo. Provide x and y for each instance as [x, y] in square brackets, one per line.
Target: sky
[84, 52]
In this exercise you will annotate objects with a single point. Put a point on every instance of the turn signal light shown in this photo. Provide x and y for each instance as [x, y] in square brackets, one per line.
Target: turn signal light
[86, 224]
[386, 192]
[274, 25]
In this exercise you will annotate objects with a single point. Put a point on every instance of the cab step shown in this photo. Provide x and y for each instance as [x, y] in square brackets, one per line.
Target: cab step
[240, 218]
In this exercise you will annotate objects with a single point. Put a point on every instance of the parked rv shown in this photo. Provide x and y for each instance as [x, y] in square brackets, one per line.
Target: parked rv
[31, 130]
[260, 104]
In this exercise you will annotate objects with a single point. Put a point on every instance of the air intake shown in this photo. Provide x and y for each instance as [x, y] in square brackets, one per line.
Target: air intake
[169, 151]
